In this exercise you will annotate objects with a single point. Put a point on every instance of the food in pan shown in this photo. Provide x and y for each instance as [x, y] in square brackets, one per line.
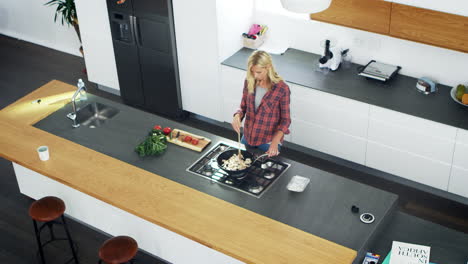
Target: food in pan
[235, 163]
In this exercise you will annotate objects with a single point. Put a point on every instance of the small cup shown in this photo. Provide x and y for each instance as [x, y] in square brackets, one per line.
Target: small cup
[43, 153]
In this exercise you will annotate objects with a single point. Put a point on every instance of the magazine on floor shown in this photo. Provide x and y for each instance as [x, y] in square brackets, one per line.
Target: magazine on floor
[407, 253]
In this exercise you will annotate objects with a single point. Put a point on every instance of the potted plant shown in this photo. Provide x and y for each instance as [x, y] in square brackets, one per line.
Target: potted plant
[66, 9]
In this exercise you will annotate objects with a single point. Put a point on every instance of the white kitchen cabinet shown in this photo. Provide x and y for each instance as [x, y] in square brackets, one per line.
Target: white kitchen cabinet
[97, 42]
[459, 175]
[232, 84]
[410, 147]
[329, 141]
[197, 54]
[412, 134]
[328, 123]
[459, 181]
[207, 32]
[408, 165]
[328, 110]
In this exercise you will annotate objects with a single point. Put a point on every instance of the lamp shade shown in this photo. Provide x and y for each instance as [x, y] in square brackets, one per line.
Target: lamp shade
[305, 6]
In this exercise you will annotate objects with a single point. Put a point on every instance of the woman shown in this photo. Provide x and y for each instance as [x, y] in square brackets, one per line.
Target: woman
[264, 106]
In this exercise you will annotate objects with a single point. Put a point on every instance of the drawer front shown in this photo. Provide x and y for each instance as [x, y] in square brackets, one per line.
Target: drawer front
[411, 140]
[408, 165]
[329, 141]
[328, 100]
[312, 110]
[419, 125]
[462, 136]
[460, 156]
[459, 181]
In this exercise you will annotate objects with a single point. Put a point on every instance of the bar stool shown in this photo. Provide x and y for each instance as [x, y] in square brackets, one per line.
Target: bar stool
[118, 250]
[48, 210]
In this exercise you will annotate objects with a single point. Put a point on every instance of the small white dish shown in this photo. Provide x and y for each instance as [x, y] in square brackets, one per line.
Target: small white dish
[298, 183]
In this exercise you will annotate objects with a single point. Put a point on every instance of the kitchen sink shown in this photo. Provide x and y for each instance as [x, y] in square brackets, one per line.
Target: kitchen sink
[95, 114]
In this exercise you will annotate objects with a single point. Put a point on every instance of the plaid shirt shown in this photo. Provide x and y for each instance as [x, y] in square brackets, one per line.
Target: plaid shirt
[272, 114]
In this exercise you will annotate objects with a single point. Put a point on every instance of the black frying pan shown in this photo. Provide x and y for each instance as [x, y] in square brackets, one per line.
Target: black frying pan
[227, 154]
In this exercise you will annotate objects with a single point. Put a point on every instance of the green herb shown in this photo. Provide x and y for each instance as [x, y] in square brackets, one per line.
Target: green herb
[154, 144]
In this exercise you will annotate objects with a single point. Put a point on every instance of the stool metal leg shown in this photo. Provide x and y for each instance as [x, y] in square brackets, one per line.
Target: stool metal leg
[51, 230]
[38, 239]
[70, 240]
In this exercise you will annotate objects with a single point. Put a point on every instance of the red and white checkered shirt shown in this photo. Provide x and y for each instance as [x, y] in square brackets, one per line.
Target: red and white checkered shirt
[273, 114]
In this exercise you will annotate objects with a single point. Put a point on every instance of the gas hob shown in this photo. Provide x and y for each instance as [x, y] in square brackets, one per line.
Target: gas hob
[260, 176]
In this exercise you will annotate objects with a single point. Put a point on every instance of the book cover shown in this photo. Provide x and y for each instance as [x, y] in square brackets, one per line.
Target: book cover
[387, 259]
[407, 253]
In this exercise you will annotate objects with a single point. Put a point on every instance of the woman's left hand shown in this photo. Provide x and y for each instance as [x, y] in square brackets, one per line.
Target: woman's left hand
[273, 150]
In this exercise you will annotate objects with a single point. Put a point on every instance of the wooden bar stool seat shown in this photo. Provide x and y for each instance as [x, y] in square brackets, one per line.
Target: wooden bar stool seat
[117, 250]
[49, 210]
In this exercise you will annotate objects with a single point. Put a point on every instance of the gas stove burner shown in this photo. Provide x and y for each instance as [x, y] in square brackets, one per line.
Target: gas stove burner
[255, 188]
[207, 173]
[269, 175]
[267, 165]
[214, 164]
[229, 181]
[256, 181]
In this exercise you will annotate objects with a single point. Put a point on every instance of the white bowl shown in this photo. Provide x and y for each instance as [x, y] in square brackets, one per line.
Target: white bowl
[452, 94]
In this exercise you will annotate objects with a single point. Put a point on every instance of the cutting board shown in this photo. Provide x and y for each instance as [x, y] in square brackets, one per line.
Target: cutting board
[178, 139]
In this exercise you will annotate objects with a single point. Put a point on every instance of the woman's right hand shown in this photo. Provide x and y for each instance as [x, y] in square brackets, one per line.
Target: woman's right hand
[236, 123]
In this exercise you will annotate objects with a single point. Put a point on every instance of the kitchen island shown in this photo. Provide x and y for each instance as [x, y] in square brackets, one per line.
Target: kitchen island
[279, 227]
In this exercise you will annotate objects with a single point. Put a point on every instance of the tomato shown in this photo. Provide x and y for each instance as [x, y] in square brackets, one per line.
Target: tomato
[194, 141]
[157, 127]
[188, 139]
[167, 130]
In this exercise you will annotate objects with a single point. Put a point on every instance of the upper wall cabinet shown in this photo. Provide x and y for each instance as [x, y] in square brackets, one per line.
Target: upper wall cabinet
[402, 21]
[369, 15]
[448, 6]
[430, 27]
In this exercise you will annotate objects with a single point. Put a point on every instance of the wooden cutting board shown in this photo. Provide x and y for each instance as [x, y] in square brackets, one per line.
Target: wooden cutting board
[178, 137]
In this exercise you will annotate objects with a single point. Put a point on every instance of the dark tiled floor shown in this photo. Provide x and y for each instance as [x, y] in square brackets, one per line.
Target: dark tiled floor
[422, 218]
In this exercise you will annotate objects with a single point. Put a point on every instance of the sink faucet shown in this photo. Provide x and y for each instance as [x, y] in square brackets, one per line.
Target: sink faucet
[81, 87]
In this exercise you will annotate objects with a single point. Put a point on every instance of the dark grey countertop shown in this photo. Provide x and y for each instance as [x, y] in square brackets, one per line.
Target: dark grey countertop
[323, 209]
[398, 94]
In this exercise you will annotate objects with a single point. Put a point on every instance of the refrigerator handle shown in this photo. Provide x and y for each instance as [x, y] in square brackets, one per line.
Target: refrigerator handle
[136, 33]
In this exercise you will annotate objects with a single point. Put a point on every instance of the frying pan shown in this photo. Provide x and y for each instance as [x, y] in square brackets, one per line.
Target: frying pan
[227, 154]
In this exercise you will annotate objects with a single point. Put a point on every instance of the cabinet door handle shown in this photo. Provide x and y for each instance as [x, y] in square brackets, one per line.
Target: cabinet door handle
[136, 33]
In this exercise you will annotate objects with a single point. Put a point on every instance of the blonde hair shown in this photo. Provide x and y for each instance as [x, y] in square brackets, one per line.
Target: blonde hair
[262, 59]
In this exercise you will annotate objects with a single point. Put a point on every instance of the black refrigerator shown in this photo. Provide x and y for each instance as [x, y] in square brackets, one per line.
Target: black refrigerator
[145, 53]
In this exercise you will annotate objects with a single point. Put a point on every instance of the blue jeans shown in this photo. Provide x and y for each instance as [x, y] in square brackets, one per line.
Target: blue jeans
[263, 147]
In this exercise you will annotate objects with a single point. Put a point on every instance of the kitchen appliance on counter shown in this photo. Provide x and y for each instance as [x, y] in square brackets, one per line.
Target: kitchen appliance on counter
[426, 85]
[331, 58]
[145, 54]
[259, 178]
[379, 71]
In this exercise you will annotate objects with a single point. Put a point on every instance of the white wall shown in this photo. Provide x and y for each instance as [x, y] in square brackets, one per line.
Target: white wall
[234, 18]
[31, 21]
[445, 66]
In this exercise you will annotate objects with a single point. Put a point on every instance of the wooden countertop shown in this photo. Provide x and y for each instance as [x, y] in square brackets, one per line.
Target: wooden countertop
[152, 197]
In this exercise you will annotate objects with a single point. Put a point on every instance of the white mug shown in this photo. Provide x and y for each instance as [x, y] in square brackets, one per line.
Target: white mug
[43, 153]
